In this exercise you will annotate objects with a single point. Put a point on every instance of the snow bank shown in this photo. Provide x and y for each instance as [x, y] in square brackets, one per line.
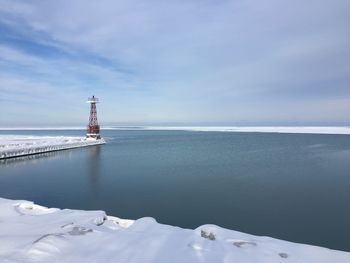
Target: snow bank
[17, 145]
[32, 233]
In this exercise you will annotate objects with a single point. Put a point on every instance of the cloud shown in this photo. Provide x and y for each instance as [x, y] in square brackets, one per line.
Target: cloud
[182, 61]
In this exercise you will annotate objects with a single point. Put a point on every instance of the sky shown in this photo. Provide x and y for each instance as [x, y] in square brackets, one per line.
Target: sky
[184, 62]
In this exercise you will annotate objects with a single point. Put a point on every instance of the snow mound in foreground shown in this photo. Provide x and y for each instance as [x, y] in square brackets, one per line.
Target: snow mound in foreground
[33, 233]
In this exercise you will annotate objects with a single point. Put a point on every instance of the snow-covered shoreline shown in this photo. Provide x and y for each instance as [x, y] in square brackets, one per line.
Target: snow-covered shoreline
[33, 233]
[19, 145]
[260, 129]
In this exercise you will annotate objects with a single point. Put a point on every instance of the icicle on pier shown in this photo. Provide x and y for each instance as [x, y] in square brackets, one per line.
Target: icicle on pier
[18, 145]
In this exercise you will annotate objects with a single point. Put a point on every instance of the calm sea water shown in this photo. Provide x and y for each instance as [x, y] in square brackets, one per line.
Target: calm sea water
[289, 186]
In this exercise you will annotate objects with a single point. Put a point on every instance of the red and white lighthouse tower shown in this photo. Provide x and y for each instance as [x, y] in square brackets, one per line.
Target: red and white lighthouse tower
[93, 129]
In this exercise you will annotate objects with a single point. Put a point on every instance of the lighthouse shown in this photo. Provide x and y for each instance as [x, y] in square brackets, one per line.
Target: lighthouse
[93, 129]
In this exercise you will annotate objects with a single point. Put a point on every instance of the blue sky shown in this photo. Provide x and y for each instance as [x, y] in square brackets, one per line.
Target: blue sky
[273, 62]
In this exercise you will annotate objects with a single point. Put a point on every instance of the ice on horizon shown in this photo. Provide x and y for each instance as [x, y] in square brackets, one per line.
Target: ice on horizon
[260, 129]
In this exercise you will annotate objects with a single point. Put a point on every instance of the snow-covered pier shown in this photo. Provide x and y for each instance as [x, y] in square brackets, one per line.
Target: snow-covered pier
[16, 145]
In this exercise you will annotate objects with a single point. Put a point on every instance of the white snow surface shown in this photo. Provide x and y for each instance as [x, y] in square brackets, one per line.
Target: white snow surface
[282, 129]
[33, 233]
[264, 129]
[19, 145]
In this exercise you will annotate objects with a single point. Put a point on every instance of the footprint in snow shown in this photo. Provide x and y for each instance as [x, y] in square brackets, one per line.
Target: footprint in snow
[283, 255]
[79, 231]
[244, 244]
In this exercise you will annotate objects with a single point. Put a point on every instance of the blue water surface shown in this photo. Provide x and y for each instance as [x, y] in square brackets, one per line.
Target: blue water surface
[289, 186]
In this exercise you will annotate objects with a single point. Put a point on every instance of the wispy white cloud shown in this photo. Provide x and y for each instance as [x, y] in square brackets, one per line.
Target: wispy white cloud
[182, 61]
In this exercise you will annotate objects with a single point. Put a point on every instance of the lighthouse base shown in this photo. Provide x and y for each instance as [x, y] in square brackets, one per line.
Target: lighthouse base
[93, 136]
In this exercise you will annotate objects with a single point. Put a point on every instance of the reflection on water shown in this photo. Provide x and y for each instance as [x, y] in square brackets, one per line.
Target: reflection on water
[94, 167]
[35, 158]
